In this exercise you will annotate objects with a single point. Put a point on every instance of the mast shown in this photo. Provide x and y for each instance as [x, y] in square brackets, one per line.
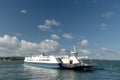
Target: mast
[74, 52]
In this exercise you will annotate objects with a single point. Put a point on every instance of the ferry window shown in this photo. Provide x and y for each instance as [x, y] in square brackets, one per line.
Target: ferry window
[47, 60]
[71, 61]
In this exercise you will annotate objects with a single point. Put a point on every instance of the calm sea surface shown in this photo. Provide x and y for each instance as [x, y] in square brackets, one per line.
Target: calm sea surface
[16, 70]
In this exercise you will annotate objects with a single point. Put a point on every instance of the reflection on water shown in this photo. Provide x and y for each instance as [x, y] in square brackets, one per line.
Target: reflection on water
[37, 73]
[110, 71]
[66, 75]
[40, 73]
[49, 74]
[15, 70]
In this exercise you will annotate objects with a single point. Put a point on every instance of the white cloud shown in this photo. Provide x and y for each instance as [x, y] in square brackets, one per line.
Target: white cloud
[104, 49]
[44, 27]
[11, 46]
[48, 25]
[8, 44]
[23, 11]
[49, 46]
[67, 36]
[51, 22]
[107, 51]
[84, 51]
[63, 50]
[108, 14]
[54, 36]
[84, 42]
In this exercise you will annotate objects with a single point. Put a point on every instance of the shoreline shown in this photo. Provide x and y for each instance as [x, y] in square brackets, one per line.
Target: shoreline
[22, 59]
[12, 58]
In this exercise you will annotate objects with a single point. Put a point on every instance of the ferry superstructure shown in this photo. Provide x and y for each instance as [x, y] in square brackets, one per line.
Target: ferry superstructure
[43, 61]
[74, 62]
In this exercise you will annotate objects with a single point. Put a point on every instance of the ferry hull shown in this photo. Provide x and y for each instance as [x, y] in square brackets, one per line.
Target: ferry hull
[47, 65]
[86, 68]
[77, 67]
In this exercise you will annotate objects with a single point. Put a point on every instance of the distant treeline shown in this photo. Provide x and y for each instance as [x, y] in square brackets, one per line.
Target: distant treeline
[22, 58]
[11, 58]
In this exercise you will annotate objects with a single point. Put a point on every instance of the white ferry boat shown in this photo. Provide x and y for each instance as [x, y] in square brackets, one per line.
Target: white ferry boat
[43, 61]
[63, 62]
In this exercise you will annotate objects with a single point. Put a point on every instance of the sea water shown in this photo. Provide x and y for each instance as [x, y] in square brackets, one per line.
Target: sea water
[17, 70]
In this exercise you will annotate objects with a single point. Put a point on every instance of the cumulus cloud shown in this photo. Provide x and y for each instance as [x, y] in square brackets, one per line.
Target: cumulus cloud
[54, 36]
[11, 46]
[108, 14]
[23, 11]
[44, 27]
[49, 46]
[8, 44]
[51, 22]
[84, 42]
[48, 25]
[68, 36]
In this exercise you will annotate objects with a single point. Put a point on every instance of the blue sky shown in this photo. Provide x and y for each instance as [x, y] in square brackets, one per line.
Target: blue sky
[91, 25]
